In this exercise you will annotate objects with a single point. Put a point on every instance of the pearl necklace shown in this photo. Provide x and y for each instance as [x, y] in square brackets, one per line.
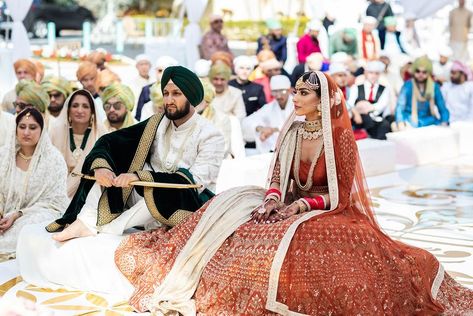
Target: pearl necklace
[310, 130]
[24, 157]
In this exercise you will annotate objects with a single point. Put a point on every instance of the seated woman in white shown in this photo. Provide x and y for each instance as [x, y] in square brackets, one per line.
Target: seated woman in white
[33, 179]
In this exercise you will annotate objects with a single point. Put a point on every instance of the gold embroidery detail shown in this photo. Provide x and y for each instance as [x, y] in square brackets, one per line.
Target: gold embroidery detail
[104, 215]
[100, 163]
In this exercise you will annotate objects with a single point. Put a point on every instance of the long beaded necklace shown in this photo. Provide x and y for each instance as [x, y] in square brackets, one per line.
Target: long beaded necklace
[77, 152]
[168, 166]
[300, 135]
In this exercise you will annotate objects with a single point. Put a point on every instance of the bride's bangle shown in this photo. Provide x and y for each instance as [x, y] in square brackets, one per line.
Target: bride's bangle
[303, 206]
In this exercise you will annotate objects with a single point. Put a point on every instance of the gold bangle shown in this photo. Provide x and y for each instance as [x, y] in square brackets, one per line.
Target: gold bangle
[302, 206]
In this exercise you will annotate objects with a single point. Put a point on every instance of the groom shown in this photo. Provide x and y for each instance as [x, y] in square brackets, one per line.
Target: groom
[178, 147]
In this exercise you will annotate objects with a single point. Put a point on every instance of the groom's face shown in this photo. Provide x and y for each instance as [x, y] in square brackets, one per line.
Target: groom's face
[176, 105]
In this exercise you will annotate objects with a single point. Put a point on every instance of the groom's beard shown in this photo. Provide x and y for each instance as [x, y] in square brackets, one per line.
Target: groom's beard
[178, 114]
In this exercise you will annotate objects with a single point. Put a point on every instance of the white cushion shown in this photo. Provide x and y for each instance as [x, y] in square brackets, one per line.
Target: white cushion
[465, 142]
[377, 156]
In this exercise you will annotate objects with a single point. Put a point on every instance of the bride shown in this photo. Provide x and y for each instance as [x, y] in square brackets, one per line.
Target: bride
[309, 244]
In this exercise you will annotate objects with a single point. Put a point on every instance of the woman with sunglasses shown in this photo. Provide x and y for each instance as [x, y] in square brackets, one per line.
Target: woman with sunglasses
[75, 132]
[420, 101]
[32, 182]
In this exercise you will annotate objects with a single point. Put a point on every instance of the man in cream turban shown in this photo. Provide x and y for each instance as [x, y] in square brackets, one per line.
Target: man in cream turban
[88, 76]
[118, 102]
[24, 69]
[228, 99]
[177, 147]
[58, 89]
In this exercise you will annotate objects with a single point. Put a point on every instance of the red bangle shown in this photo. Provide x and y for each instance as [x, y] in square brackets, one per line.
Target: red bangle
[273, 191]
[316, 203]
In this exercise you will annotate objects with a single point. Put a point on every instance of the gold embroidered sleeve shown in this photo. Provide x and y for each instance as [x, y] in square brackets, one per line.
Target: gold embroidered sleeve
[100, 163]
[276, 177]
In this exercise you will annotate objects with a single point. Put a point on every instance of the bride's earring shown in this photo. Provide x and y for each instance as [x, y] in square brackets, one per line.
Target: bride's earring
[91, 121]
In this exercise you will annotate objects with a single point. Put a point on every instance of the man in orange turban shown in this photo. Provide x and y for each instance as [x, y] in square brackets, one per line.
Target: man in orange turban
[24, 69]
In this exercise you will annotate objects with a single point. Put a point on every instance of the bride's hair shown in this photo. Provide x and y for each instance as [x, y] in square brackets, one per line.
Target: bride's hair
[37, 116]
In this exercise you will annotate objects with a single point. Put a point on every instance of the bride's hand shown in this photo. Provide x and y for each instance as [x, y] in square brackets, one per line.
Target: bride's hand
[285, 212]
[262, 212]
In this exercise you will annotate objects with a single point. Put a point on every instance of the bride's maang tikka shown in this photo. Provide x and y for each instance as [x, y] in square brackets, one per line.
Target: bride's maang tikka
[310, 83]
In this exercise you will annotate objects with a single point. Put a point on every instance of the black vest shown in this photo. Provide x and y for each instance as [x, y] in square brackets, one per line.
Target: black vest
[362, 97]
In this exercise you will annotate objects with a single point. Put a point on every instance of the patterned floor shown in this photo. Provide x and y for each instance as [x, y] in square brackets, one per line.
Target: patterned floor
[429, 207]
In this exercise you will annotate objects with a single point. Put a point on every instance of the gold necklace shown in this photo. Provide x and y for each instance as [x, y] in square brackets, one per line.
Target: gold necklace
[297, 161]
[24, 157]
[311, 130]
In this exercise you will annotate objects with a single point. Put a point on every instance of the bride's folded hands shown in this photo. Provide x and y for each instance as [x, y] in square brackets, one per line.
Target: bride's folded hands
[262, 213]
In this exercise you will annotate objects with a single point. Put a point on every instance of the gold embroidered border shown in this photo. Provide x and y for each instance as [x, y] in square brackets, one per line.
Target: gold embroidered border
[175, 218]
[100, 163]
[53, 227]
[104, 215]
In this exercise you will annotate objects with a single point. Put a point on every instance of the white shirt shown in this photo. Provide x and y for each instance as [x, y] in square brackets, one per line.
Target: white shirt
[201, 144]
[459, 100]
[382, 106]
[270, 115]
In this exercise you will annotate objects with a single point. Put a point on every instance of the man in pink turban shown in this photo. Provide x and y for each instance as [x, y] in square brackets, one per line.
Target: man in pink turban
[458, 92]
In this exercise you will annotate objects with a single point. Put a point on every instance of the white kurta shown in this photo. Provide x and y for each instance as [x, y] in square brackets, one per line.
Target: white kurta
[230, 102]
[270, 115]
[459, 100]
[136, 84]
[7, 126]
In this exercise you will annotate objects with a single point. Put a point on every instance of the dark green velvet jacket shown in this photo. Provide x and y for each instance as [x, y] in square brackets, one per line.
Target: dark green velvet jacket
[126, 151]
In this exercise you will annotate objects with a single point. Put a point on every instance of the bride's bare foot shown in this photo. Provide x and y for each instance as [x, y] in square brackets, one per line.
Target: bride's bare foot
[75, 230]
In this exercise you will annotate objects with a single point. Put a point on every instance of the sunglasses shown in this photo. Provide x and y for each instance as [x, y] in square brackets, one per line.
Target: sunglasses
[421, 71]
[55, 95]
[117, 106]
[21, 106]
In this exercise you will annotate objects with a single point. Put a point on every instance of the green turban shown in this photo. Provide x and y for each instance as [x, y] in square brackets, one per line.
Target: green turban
[186, 81]
[422, 62]
[209, 92]
[120, 91]
[60, 84]
[156, 95]
[390, 21]
[350, 33]
[32, 93]
[220, 69]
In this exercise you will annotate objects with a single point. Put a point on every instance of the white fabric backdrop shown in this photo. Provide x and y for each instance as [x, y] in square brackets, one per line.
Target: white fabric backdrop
[424, 8]
[192, 34]
[21, 44]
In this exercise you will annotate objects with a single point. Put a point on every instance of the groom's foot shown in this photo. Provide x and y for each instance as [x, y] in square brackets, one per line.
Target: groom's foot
[75, 230]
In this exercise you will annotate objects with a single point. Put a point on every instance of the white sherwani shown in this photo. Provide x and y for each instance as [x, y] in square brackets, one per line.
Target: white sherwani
[459, 100]
[195, 145]
[230, 102]
[270, 115]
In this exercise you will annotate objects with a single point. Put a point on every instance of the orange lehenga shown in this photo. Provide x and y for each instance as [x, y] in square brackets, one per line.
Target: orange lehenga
[336, 262]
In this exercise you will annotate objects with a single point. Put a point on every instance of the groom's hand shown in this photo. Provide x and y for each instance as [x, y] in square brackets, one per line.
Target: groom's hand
[124, 180]
[104, 177]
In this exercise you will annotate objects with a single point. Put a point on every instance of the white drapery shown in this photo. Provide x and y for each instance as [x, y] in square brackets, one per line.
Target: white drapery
[192, 34]
[424, 8]
[18, 11]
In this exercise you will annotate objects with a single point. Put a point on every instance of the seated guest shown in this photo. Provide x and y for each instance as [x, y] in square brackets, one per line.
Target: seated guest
[142, 78]
[7, 121]
[261, 57]
[264, 125]
[98, 57]
[58, 89]
[314, 62]
[441, 68]
[369, 103]
[458, 93]
[161, 64]
[393, 43]
[274, 40]
[253, 94]
[270, 67]
[33, 181]
[87, 75]
[228, 125]
[420, 101]
[228, 99]
[118, 101]
[344, 41]
[155, 105]
[369, 46]
[31, 95]
[75, 132]
[314, 41]
[24, 69]
[105, 78]
[339, 74]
